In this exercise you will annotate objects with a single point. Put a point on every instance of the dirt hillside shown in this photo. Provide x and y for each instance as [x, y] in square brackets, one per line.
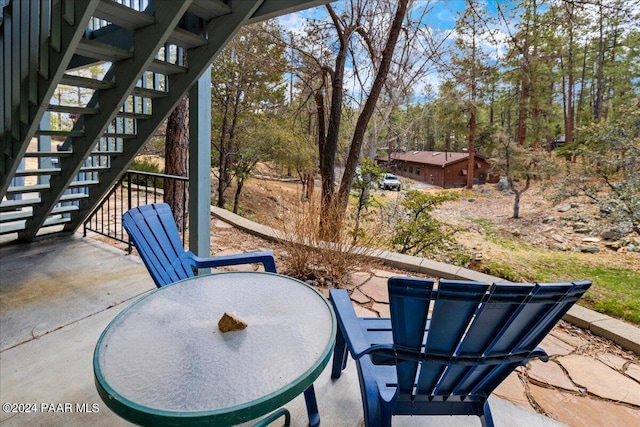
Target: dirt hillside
[482, 217]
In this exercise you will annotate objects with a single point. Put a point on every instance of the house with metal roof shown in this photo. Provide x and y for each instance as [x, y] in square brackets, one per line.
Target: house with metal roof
[440, 168]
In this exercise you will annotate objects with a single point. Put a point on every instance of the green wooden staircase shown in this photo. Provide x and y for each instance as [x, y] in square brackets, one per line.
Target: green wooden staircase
[129, 62]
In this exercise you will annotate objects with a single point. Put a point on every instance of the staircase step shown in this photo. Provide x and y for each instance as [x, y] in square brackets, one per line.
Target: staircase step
[73, 197]
[120, 135]
[72, 110]
[102, 51]
[149, 93]
[76, 184]
[166, 68]
[51, 221]
[122, 16]
[48, 154]
[7, 205]
[15, 216]
[60, 133]
[12, 227]
[131, 115]
[22, 189]
[64, 209]
[34, 172]
[208, 9]
[186, 39]
[93, 168]
[106, 153]
[86, 82]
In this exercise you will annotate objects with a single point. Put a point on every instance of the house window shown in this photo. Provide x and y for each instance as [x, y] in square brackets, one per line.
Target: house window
[417, 171]
[410, 169]
[464, 172]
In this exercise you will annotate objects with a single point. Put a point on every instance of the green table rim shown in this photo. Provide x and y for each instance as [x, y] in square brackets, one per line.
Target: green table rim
[247, 411]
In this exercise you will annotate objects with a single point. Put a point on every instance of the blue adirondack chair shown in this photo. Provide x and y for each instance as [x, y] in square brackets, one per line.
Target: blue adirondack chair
[445, 348]
[155, 235]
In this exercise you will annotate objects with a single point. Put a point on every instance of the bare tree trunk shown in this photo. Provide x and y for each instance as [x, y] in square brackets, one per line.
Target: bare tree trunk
[223, 168]
[176, 157]
[471, 164]
[521, 132]
[327, 160]
[570, 104]
[517, 195]
[582, 85]
[227, 136]
[369, 106]
[310, 185]
[597, 107]
[236, 198]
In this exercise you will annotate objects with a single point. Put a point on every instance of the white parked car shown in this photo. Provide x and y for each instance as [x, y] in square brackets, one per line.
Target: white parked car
[390, 182]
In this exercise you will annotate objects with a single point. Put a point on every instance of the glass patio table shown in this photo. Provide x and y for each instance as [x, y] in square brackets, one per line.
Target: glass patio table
[163, 360]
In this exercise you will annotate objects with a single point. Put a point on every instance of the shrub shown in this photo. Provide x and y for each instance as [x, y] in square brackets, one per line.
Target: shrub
[417, 230]
[145, 164]
[312, 259]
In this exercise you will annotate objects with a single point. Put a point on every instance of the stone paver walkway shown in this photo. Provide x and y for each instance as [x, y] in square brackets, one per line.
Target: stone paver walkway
[588, 381]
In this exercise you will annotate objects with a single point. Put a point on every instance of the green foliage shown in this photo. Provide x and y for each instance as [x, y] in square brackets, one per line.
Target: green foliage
[418, 230]
[246, 103]
[460, 257]
[504, 271]
[369, 174]
[295, 149]
[609, 170]
[145, 164]
[614, 291]
[488, 228]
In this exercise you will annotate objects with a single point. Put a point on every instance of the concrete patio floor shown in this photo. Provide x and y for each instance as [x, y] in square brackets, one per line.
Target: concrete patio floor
[56, 297]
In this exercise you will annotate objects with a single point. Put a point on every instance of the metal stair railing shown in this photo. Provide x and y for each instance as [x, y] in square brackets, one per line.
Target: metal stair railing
[135, 188]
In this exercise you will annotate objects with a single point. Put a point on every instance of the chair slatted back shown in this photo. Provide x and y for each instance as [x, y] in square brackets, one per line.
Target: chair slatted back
[470, 320]
[155, 235]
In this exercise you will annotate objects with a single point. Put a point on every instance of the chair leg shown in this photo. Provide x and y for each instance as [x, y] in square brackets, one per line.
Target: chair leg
[339, 355]
[274, 416]
[376, 413]
[312, 406]
[485, 418]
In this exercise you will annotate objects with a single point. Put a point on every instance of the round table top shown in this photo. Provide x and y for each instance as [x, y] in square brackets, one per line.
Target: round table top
[164, 359]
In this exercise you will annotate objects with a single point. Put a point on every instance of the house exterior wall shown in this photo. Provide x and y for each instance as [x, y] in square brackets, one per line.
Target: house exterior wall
[420, 172]
[455, 175]
[452, 175]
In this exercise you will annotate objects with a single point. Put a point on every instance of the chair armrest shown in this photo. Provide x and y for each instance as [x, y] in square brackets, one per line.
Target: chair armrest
[265, 258]
[537, 353]
[400, 353]
[348, 322]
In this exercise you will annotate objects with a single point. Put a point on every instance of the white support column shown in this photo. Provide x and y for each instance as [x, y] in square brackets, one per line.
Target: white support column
[200, 165]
